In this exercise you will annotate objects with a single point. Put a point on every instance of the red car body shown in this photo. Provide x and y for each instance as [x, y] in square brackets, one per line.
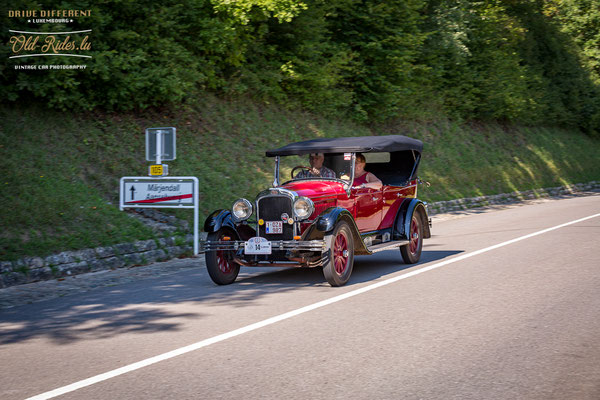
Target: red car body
[372, 209]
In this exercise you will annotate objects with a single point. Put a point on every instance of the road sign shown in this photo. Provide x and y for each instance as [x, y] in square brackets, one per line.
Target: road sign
[157, 192]
[172, 192]
[160, 144]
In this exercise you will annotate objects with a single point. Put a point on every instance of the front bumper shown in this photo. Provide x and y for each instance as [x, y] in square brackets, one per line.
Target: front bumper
[276, 245]
[293, 253]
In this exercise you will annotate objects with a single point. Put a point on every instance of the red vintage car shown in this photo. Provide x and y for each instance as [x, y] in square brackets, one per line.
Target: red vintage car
[319, 214]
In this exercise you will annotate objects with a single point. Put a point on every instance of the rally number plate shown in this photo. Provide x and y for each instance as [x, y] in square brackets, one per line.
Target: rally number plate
[257, 245]
[274, 227]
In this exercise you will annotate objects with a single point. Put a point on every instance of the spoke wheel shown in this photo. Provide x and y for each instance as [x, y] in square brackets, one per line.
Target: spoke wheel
[340, 253]
[411, 253]
[338, 268]
[415, 239]
[219, 263]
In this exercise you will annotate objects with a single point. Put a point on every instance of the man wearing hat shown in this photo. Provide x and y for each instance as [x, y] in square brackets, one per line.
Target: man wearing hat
[317, 169]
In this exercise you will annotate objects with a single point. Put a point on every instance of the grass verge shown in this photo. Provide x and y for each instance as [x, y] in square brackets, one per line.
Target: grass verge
[59, 190]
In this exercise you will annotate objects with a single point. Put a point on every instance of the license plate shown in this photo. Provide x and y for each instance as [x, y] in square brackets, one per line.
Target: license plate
[274, 226]
[257, 245]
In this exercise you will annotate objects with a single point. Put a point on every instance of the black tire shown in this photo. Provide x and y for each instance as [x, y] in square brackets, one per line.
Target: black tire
[219, 263]
[340, 245]
[411, 253]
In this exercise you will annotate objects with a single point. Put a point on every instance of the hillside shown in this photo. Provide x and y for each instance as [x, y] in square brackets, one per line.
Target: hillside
[61, 171]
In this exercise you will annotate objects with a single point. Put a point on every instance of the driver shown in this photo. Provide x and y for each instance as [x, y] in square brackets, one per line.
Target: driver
[317, 169]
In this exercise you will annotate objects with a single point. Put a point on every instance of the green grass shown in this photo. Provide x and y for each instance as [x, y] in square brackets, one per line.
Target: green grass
[59, 190]
[466, 161]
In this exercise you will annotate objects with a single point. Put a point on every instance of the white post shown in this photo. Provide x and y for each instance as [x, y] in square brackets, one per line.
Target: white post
[196, 215]
[158, 147]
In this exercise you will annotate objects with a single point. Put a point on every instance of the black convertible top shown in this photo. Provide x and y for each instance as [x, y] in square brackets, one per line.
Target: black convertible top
[362, 144]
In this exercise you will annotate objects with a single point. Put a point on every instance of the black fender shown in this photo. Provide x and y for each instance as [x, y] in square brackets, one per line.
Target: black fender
[405, 213]
[219, 219]
[328, 219]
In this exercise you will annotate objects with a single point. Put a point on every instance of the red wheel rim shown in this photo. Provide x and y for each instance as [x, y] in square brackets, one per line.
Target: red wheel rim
[340, 253]
[414, 236]
[222, 260]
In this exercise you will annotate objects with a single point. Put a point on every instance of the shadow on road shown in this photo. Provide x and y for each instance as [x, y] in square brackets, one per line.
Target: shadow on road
[140, 307]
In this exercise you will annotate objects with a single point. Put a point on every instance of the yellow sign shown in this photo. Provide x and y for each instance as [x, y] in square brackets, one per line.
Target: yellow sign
[156, 170]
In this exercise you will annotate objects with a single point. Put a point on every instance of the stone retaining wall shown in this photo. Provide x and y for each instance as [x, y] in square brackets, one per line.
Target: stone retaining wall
[441, 207]
[32, 269]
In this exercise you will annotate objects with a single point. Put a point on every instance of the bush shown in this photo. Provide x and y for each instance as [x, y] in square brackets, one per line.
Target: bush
[529, 61]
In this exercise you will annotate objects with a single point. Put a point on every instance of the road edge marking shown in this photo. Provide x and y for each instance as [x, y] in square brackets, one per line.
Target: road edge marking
[269, 321]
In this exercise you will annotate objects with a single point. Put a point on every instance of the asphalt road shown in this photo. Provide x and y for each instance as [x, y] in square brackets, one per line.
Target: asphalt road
[517, 321]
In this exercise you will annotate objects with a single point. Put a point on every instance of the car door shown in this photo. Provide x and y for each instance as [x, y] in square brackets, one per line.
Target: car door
[367, 208]
[393, 196]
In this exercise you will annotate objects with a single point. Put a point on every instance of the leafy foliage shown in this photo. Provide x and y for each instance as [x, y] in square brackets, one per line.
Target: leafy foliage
[580, 19]
[529, 61]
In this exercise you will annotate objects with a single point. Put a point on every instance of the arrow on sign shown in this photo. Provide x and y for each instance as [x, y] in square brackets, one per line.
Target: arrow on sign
[132, 191]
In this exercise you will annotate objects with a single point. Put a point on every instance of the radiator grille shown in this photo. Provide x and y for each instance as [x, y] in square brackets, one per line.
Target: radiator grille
[270, 208]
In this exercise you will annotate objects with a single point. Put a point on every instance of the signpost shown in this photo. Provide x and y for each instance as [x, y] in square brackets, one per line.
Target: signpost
[153, 192]
[160, 146]
[160, 142]
[150, 192]
[157, 191]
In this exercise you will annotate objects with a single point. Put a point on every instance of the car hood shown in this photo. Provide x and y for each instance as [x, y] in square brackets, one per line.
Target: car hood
[315, 188]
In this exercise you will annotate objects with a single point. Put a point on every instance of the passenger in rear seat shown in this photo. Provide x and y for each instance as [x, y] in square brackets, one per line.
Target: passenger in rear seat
[362, 178]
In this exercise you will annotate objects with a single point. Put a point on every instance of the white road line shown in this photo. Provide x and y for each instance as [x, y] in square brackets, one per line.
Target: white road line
[249, 328]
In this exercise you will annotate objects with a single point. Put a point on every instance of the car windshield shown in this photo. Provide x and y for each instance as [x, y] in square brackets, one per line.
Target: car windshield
[316, 166]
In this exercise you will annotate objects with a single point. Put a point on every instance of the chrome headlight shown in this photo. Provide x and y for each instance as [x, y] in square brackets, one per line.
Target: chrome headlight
[303, 208]
[241, 209]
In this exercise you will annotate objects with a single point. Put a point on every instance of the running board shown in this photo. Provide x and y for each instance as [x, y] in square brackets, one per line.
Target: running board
[387, 246]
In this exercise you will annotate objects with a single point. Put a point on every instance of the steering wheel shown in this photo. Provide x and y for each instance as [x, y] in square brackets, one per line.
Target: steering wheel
[298, 167]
